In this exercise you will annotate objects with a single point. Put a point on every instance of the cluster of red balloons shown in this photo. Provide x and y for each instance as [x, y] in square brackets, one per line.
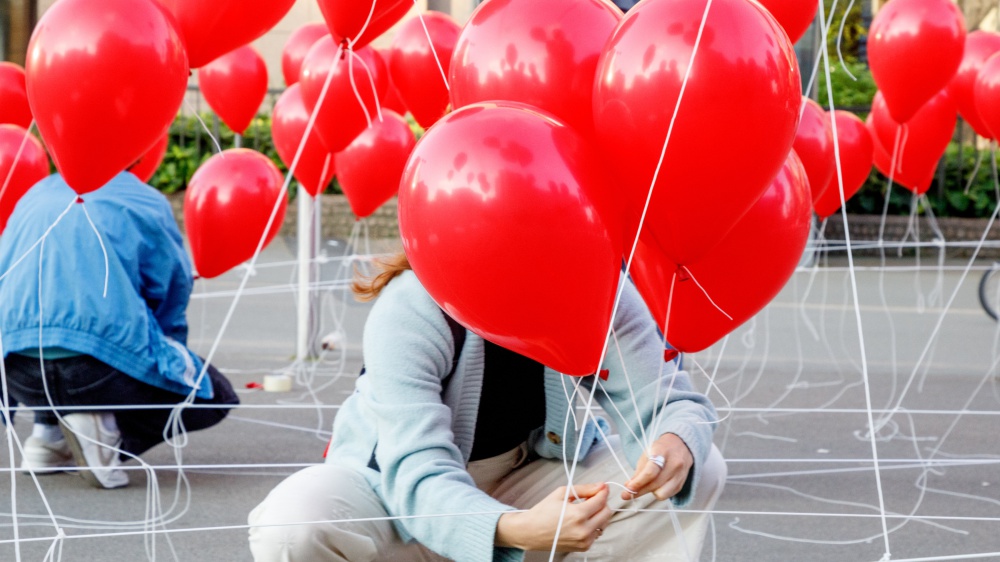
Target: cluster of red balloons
[914, 113]
[358, 95]
[577, 129]
[143, 51]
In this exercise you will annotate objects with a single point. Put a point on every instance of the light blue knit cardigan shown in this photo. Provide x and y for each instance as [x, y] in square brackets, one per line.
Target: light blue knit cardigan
[424, 437]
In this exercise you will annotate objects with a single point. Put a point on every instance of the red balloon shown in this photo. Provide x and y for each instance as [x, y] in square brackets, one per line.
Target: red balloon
[296, 49]
[904, 32]
[987, 95]
[979, 45]
[814, 147]
[371, 167]
[342, 115]
[922, 140]
[23, 163]
[741, 274]
[315, 168]
[234, 86]
[211, 28]
[146, 166]
[540, 53]
[705, 185]
[856, 154]
[360, 21]
[414, 68]
[494, 191]
[795, 16]
[103, 94]
[227, 206]
[13, 96]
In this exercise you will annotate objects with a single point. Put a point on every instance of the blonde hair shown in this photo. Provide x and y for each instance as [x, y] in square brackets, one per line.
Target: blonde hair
[367, 287]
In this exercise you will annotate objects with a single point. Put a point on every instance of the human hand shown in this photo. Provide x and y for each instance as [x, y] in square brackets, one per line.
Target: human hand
[665, 482]
[582, 524]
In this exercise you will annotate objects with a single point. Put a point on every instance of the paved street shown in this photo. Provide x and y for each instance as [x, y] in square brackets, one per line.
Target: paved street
[802, 480]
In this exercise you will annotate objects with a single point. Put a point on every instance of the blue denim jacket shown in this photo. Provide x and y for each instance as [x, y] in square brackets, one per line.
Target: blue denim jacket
[139, 325]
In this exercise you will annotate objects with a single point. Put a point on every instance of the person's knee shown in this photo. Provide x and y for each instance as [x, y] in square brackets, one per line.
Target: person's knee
[303, 518]
[275, 536]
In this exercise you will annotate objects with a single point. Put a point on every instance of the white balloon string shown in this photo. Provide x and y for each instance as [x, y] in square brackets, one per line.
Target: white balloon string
[840, 37]
[888, 188]
[364, 27]
[704, 292]
[854, 293]
[975, 171]
[371, 83]
[100, 241]
[215, 141]
[430, 43]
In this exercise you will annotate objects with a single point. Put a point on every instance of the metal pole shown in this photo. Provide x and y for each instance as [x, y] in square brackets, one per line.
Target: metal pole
[307, 259]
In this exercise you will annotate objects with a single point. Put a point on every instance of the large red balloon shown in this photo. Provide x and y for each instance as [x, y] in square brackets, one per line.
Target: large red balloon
[13, 96]
[227, 206]
[359, 21]
[103, 93]
[234, 86]
[315, 167]
[413, 64]
[211, 28]
[507, 218]
[540, 53]
[914, 49]
[856, 154]
[795, 16]
[987, 95]
[296, 49]
[370, 168]
[347, 109]
[20, 168]
[145, 167]
[814, 146]
[979, 46]
[923, 139]
[721, 155]
[740, 275]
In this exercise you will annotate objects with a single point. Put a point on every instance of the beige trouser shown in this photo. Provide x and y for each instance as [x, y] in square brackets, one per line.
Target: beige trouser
[334, 493]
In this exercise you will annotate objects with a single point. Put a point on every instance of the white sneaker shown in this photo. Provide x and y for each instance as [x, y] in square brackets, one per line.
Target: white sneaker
[97, 462]
[42, 457]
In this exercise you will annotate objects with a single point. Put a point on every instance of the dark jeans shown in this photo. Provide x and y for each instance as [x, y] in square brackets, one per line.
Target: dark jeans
[85, 381]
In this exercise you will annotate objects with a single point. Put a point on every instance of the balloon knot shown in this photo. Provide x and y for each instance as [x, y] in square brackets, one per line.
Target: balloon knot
[79, 199]
[603, 374]
[682, 273]
[670, 354]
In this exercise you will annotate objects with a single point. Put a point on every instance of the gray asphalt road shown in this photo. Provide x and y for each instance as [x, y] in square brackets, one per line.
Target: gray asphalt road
[790, 385]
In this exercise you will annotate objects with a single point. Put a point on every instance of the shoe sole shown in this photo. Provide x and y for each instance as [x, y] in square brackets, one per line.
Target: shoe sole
[83, 469]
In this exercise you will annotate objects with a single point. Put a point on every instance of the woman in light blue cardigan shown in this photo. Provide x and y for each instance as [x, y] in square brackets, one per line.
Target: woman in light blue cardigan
[419, 466]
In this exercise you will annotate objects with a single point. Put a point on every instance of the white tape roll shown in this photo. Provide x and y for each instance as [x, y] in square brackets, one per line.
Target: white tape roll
[277, 383]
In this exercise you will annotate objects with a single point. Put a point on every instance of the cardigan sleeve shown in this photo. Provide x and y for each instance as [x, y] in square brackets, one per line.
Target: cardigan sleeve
[408, 351]
[651, 395]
